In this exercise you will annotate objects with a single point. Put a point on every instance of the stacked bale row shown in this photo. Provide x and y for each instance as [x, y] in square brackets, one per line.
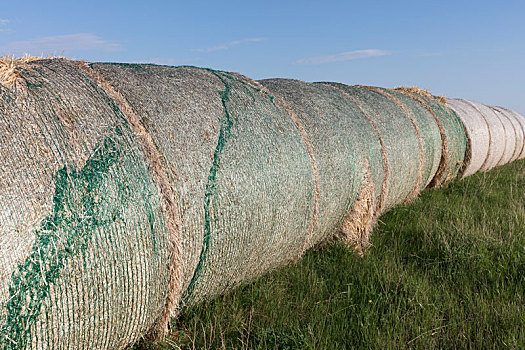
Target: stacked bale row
[130, 192]
[495, 135]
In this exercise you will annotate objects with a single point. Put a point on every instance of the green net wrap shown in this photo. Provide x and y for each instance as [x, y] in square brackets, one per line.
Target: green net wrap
[400, 141]
[83, 240]
[430, 136]
[332, 124]
[241, 170]
[453, 140]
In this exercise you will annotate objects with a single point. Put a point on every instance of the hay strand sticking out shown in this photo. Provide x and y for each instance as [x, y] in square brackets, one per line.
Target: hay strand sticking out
[357, 226]
[422, 92]
[327, 118]
[370, 146]
[9, 73]
[417, 186]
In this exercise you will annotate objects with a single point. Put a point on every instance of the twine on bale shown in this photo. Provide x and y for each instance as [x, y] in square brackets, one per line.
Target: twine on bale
[131, 192]
[72, 276]
[166, 192]
[317, 187]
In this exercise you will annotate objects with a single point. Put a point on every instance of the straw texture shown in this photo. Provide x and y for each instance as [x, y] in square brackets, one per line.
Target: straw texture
[83, 239]
[327, 118]
[371, 143]
[241, 168]
[430, 137]
[400, 140]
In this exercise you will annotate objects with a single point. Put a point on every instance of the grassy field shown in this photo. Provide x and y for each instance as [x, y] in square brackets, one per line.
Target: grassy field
[447, 271]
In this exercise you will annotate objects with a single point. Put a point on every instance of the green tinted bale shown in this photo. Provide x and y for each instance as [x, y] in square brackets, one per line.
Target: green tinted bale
[333, 127]
[240, 167]
[83, 259]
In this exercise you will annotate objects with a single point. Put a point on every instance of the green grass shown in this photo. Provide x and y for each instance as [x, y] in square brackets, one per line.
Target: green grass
[447, 271]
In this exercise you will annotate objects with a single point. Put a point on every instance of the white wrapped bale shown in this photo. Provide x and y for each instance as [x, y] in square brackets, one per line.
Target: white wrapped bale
[497, 136]
[478, 136]
[520, 131]
[512, 150]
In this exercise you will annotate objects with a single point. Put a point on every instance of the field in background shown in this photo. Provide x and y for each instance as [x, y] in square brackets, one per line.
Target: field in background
[447, 271]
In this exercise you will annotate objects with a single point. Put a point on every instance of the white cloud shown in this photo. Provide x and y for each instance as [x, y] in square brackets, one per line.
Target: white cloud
[65, 44]
[229, 45]
[3, 25]
[345, 56]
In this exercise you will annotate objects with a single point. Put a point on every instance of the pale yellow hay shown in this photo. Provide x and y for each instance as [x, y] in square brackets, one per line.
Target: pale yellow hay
[422, 92]
[9, 73]
[358, 224]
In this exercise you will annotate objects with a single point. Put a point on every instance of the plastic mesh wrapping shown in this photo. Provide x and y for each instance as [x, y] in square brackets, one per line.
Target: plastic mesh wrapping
[519, 126]
[510, 137]
[452, 134]
[329, 120]
[400, 141]
[430, 136]
[477, 131]
[82, 236]
[242, 171]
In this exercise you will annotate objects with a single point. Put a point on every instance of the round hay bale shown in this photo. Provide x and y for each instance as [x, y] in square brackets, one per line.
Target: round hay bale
[84, 253]
[453, 139]
[327, 118]
[497, 135]
[510, 136]
[430, 136]
[372, 144]
[519, 127]
[400, 140]
[242, 170]
[478, 136]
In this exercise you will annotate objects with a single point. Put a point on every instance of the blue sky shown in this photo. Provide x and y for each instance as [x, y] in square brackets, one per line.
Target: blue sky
[470, 49]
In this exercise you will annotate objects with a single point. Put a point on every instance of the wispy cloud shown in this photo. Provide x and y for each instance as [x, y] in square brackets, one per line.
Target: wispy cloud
[229, 45]
[344, 56]
[3, 25]
[60, 44]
